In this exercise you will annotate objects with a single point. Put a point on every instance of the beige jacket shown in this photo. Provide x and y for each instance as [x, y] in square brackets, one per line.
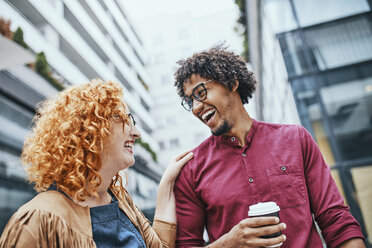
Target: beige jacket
[51, 219]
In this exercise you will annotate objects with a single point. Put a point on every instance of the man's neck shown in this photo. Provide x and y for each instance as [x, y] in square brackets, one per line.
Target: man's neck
[241, 126]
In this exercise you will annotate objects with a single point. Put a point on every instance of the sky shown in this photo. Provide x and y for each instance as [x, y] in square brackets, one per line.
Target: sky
[140, 9]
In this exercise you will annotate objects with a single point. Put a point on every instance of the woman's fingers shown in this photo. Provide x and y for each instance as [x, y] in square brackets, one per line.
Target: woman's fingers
[184, 159]
[176, 165]
[180, 156]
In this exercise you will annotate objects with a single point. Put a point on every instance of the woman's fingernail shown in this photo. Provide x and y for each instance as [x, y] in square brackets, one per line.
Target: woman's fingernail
[284, 225]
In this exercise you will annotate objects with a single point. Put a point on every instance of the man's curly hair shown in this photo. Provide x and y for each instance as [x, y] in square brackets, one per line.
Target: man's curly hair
[67, 138]
[220, 65]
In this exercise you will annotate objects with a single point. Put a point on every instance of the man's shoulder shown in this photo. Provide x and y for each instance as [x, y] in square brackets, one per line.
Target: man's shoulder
[283, 129]
[207, 143]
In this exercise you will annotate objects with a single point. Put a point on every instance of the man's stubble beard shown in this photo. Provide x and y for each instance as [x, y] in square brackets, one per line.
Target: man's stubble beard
[224, 128]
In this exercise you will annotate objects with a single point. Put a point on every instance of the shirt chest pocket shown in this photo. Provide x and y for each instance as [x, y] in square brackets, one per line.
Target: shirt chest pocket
[287, 185]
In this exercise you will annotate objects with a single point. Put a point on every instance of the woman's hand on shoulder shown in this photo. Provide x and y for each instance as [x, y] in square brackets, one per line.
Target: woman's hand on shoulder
[175, 166]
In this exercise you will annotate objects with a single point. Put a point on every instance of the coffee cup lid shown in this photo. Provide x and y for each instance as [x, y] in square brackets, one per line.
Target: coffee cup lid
[263, 208]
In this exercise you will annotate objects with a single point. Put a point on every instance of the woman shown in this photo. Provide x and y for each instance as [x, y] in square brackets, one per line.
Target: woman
[81, 141]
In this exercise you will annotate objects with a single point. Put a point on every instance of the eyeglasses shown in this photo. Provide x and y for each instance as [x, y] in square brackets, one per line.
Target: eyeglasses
[199, 93]
[130, 120]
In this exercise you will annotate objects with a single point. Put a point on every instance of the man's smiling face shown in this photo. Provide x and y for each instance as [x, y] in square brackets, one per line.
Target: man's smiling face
[215, 109]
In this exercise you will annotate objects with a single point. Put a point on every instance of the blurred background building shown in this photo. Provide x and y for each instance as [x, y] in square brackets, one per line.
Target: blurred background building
[71, 42]
[168, 38]
[316, 56]
[312, 59]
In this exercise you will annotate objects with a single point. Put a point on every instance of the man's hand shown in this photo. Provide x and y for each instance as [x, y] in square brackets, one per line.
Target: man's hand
[248, 232]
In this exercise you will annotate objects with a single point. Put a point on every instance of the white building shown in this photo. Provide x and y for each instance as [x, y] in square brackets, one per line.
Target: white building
[81, 40]
[274, 98]
[167, 39]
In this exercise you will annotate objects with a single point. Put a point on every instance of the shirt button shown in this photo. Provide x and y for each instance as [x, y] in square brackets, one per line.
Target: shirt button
[250, 180]
[283, 168]
[244, 154]
[232, 139]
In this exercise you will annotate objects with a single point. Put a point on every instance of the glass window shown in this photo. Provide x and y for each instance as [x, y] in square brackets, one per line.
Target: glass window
[328, 46]
[363, 188]
[174, 142]
[280, 15]
[349, 107]
[317, 11]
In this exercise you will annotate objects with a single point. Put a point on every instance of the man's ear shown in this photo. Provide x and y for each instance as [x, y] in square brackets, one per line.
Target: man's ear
[235, 86]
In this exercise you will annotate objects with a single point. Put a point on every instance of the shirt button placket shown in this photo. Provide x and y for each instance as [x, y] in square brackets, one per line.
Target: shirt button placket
[244, 154]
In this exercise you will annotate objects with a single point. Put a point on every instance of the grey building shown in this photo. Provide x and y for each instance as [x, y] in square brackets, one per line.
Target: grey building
[326, 47]
[81, 40]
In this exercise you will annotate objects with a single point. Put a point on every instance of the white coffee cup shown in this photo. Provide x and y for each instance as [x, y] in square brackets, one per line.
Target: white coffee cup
[263, 209]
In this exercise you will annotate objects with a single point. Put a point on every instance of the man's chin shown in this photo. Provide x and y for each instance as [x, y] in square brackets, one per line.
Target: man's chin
[222, 129]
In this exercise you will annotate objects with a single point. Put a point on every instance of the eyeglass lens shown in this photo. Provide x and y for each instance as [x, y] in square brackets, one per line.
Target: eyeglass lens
[199, 93]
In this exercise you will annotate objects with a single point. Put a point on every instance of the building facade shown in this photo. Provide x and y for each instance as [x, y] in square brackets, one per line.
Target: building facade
[326, 47]
[169, 38]
[81, 40]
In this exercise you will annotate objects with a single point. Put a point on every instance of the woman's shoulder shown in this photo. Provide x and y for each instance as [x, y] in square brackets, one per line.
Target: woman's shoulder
[48, 213]
[54, 205]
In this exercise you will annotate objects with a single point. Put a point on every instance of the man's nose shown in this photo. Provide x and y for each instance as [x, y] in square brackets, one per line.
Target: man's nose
[196, 106]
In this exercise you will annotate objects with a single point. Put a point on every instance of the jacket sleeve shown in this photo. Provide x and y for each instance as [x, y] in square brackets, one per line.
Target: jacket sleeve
[190, 210]
[161, 235]
[37, 228]
[331, 214]
[17, 233]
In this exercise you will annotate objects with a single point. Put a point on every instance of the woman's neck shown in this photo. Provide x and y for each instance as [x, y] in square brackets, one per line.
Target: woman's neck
[103, 198]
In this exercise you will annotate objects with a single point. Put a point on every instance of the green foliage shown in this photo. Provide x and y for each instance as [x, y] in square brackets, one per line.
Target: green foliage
[42, 67]
[242, 27]
[147, 148]
[18, 37]
[143, 83]
[41, 64]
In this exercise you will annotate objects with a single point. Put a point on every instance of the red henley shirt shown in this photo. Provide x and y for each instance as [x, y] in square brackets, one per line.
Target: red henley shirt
[280, 163]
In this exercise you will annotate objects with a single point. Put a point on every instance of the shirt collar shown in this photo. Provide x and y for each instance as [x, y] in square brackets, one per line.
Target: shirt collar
[234, 141]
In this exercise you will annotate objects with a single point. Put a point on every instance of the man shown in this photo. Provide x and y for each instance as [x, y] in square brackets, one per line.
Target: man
[246, 162]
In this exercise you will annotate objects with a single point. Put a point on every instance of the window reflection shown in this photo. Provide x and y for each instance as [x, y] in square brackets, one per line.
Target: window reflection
[280, 15]
[349, 107]
[328, 46]
[316, 11]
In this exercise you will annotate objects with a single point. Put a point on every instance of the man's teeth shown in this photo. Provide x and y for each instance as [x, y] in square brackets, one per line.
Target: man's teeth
[207, 115]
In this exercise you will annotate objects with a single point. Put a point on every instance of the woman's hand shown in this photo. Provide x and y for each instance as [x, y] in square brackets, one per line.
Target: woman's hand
[175, 166]
[166, 202]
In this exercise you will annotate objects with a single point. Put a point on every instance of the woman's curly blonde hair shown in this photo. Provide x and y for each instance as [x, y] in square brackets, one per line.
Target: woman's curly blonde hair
[69, 130]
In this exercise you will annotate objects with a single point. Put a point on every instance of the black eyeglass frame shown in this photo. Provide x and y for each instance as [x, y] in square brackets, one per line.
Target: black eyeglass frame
[132, 121]
[187, 101]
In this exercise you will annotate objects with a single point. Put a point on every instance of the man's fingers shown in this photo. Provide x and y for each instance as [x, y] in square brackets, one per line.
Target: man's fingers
[268, 230]
[259, 221]
[261, 242]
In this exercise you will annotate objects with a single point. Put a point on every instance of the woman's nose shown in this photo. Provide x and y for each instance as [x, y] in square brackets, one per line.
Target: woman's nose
[135, 132]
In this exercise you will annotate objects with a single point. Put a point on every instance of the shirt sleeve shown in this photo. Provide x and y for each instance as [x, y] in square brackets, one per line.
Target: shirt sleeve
[190, 210]
[331, 214]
